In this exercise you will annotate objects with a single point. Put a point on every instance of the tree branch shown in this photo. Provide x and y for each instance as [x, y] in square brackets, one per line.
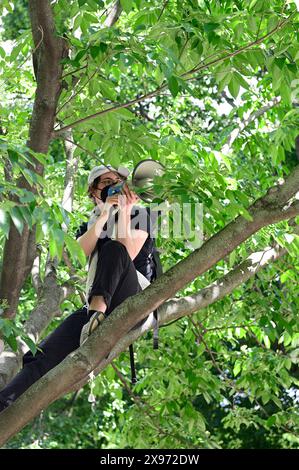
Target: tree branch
[174, 309]
[163, 86]
[252, 117]
[113, 14]
[79, 364]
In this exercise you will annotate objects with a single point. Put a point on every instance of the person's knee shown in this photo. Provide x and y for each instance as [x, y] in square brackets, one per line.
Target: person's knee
[30, 357]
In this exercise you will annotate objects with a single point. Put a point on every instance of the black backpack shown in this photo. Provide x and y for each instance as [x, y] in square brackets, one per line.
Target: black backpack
[158, 271]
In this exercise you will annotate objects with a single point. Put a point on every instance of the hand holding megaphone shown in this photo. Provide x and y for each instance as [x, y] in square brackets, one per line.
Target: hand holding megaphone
[141, 184]
[143, 177]
[120, 195]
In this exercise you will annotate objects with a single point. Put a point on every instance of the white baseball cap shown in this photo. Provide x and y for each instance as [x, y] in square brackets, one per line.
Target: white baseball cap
[100, 170]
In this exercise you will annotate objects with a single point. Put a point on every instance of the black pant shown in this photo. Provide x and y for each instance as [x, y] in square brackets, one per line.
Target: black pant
[116, 279]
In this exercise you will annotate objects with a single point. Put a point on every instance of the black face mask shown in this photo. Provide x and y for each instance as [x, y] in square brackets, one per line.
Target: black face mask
[104, 192]
[104, 195]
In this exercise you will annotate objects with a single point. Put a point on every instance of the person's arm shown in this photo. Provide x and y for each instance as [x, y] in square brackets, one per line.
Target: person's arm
[89, 239]
[132, 239]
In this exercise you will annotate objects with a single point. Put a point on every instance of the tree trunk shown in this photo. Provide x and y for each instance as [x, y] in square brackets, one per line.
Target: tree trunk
[20, 250]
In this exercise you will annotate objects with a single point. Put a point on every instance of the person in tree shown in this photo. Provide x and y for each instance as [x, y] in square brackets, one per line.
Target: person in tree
[117, 239]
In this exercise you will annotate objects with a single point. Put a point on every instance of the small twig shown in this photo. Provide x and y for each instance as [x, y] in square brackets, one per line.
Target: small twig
[82, 87]
[141, 404]
[163, 86]
[162, 11]
[27, 57]
[72, 72]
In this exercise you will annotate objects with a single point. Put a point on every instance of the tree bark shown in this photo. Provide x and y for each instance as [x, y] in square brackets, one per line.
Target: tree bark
[174, 309]
[20, 250]
[50, 294]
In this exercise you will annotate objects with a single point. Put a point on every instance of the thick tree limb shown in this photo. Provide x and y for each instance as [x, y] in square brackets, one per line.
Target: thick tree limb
[174, 309]
[113, 14]
[79, 364]
[72, 164]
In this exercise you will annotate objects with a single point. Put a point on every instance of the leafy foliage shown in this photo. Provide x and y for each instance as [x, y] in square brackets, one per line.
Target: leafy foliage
[221, 113]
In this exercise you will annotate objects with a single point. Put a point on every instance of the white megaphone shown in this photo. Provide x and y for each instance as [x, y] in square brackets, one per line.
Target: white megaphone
[143, 178]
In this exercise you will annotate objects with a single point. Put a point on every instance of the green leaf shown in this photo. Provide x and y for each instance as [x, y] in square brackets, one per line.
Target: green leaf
[173, 85]
[241, 81]
[276, 401]
[237, 368]
[94, 51]
[58, 238]
[6, 327]
[234, 86]
[52, 247]
[13, 155]
[208, 27]
[103, 47]
[127, 5]
[17, 218]
[271, 421]
[277, 76]
[232, 259]
[285, 93]
[11, 340]
[30, 344]
[27, 196]
[195, 43]
[26, 214]
[266, 397]
[39, 235]
[107, 89]
[244, 212]
[4, 222]
[267, 342]
[75, 250]
[225, 80]
[124, 114]
[110, 373]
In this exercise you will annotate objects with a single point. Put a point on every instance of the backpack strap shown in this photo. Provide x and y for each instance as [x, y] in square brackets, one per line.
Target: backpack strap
[158, 273]
[132, 364]
[157, 261]
[156, 331]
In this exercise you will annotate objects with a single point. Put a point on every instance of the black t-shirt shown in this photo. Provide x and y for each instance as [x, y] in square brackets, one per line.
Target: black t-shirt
[140, 220]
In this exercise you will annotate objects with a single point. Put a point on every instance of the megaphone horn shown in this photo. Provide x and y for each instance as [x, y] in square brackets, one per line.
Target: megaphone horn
[143, 177]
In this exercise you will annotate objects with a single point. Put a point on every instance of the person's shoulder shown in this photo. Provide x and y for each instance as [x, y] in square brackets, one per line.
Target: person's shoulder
[140, 212]
[147, 212]
[141, 219]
